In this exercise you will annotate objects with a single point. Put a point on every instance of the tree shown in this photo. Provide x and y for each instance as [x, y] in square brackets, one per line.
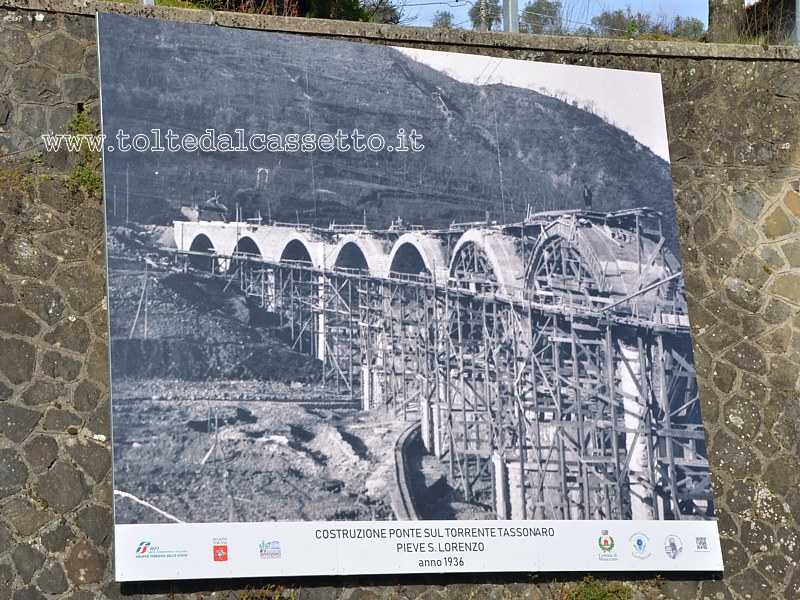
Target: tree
[346, 10]
[585, 31]
[724, 19]
[611, 23]
[443, 19]
[542, 17]
[622, 23]
[494, 14]
[687, 29]
[384, 11]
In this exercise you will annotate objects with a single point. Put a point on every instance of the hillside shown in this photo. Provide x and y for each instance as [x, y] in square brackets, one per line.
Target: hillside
[490, 149]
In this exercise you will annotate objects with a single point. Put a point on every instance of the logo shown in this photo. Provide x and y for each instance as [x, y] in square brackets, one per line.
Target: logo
[605, 541]
[220, 550]
[640, 544]
[269, 549]
[673, 546]
[146, 550]
[606, 544]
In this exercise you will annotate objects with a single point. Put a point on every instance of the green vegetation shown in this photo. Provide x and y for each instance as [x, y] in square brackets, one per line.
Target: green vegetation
[765, 22]
[620, 23]
[590, 588]
[268, 592]
[493, 15]
[443, 19]
[13, 180]
[571, 17]
[87, 174]
[543, 17]
[687, 29]
[171, 3]
[377, 11]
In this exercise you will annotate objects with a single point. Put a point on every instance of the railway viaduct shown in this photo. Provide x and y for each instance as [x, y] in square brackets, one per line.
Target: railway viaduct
[548, 361]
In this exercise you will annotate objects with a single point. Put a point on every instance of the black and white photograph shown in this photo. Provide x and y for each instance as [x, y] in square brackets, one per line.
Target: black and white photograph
[359, 283]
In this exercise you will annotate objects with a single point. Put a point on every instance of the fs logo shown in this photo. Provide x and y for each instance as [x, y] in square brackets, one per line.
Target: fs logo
[146, 550]
[143, 547]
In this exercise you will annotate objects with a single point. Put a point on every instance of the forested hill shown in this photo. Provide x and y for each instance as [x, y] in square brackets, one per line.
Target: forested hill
[492, 148]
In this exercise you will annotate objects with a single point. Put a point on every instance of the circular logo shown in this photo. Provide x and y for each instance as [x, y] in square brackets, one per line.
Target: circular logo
[673, 546]
[640, 544]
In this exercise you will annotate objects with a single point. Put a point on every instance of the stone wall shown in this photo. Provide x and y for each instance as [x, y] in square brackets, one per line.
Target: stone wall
[733, 115]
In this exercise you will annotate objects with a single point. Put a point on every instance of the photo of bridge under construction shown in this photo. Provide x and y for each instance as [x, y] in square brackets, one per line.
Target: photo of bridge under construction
[338, 337]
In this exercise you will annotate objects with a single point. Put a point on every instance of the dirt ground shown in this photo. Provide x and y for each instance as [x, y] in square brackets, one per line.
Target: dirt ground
[203, 458]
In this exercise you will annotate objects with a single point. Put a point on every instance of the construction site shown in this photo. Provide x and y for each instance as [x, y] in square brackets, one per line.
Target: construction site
[546, 364]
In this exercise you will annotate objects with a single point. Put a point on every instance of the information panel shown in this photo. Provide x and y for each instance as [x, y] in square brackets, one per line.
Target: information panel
[389, 310]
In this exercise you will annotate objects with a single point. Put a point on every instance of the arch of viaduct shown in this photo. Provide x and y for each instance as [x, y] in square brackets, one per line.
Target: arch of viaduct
[548, 361]
[617, 256]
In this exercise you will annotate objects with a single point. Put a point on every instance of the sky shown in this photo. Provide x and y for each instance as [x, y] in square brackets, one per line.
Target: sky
[580, 11]
[630, 100]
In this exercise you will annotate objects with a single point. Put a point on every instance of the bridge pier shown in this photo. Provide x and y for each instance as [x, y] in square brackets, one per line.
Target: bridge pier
[321, 283]
[269, 291]
[502, 505]
[634, 390]
[426, 418]
[517, 496]
[366, 388]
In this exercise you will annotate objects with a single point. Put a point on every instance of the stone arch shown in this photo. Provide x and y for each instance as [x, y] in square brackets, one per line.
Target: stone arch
[201, 243]
[408, 260]
[351, 257]
[360, 251]
[487, 261]
[558, 265]
[472, 269]
[248, 246]
[296, 251]
[415, 253]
